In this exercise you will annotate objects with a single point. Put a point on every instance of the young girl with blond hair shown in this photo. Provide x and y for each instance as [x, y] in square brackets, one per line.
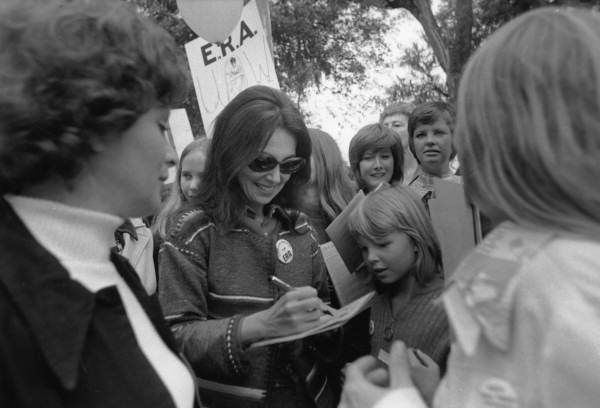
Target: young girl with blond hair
[330, 187]
[187, 183]
[401, 250]
[525, 304]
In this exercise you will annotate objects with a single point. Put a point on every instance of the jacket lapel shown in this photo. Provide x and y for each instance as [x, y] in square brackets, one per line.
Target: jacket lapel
[58, 310]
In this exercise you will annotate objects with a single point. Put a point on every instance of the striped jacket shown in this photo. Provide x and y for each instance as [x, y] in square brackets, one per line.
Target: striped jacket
[209, 278]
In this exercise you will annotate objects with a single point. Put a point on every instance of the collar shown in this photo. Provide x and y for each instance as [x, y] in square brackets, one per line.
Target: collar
[421, 173]
[127, 227]
[291, 219]
[485, 281]
[68, 233]
[58, 310]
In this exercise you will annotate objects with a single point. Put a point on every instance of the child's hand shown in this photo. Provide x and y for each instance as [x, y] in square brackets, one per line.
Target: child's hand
[424, 372]
[367, 382]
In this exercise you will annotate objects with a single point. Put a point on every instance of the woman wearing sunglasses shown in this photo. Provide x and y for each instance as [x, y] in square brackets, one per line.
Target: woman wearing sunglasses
[219, 253]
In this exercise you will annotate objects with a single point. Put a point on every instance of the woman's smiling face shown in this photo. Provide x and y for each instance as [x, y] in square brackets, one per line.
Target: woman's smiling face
[260, 188]
[376, 167]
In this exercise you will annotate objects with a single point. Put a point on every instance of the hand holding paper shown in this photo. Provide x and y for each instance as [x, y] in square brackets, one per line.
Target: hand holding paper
[339, 318]
[296, 311]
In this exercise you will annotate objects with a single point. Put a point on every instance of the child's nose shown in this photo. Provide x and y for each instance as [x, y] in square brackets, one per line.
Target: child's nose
[371, 257]
[195, 185]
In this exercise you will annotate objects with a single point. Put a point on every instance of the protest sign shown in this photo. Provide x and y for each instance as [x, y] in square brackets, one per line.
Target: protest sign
[180, 130]
[221, 70]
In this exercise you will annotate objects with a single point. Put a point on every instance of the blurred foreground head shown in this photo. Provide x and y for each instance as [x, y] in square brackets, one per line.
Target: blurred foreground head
[528, 127]
[74, 77]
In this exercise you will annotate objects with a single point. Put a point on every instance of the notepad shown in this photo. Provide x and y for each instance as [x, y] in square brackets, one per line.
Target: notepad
[339, 318]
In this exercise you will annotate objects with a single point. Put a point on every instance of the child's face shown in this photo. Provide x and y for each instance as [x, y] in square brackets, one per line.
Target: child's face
[192, 168]
[433, 146]
[376, 167]
[398, 123]
[389, 258]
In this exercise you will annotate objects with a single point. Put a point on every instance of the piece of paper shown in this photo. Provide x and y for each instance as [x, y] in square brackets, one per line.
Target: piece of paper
[340, 317]
[348, 286]
[453, 221]
[343, 257]
[342, 239]
[180, 130]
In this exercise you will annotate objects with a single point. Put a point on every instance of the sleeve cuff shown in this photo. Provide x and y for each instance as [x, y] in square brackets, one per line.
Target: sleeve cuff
[233, 349]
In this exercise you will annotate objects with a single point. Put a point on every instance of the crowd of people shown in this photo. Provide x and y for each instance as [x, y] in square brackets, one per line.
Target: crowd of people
[114, 295]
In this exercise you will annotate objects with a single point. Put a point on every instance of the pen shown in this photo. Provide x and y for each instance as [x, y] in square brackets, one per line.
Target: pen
[416, 354]
[286, 287]
[360, 266]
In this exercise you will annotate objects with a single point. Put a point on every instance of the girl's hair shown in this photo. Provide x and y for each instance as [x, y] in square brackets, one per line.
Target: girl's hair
[427, 114]
[176, 199]
[376, 137]
[330, 176]
[75, 75]
[528, 122]
[395, 209]
[242, 130]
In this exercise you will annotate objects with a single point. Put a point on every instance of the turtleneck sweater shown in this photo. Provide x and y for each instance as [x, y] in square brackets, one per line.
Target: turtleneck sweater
[81, 240]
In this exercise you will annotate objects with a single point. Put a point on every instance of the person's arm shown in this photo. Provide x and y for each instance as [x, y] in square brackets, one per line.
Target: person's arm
[183, 296]
[559, 319]
[217, 346]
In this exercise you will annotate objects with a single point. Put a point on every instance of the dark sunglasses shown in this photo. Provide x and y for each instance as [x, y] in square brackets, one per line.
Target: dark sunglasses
[267, 163]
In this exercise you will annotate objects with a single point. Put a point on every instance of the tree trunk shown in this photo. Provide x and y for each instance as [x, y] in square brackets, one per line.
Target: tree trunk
[460, 49]
[421, 10]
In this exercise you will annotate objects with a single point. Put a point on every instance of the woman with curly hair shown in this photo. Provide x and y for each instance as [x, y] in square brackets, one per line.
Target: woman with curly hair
[85, 90]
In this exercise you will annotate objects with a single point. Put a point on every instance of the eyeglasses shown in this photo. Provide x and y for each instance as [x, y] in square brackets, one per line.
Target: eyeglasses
[267, 163]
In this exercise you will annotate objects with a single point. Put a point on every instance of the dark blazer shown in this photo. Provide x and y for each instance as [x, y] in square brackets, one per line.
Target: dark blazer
[62, 345]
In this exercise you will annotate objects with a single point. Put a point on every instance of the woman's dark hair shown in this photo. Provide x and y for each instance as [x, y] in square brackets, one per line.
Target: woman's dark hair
[75, 75]
[242, 130]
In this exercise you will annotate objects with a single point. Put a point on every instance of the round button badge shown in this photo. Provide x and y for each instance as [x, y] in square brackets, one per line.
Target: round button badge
[285, 254]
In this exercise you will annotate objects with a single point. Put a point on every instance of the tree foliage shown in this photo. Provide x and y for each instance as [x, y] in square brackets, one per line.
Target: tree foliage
[314, 39]
[460, 26]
